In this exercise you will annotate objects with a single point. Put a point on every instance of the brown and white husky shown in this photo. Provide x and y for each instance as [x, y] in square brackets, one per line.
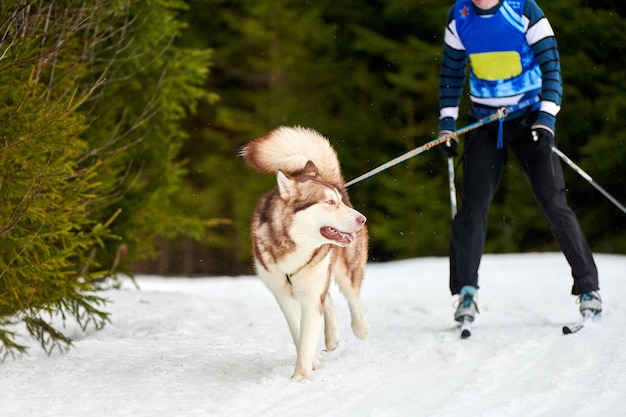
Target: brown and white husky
[305, 233]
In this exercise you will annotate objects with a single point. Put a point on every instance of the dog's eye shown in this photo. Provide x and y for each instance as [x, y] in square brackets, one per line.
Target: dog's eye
[331, 202]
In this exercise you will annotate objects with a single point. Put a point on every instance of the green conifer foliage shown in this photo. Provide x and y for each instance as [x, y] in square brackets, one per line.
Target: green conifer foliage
[91, 93]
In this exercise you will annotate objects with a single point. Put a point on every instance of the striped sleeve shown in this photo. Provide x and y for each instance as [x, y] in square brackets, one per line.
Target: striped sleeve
[451, 75]
[540, 37]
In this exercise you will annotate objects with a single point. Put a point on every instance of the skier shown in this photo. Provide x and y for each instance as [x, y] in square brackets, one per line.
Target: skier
[514, 63]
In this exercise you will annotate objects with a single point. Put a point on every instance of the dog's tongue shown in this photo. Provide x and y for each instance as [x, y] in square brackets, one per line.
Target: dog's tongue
[337, 235]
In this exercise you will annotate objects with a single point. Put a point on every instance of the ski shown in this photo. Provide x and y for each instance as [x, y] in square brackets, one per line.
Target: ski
[574, 327]
[587, 317]
[466, 328]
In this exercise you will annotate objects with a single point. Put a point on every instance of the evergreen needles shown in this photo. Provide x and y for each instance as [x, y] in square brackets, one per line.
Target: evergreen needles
[91, 96]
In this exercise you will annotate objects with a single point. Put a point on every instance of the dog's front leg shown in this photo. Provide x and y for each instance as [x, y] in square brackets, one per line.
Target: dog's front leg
[290, 306]
[291, 309]
[352, 292]
[311, 320]
[360, 327]
[331, 329]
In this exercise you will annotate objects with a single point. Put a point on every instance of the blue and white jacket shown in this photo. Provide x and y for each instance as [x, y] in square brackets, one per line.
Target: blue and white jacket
[512, 54]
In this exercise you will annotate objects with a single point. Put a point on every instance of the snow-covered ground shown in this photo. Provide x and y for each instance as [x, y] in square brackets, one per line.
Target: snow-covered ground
[220, 347]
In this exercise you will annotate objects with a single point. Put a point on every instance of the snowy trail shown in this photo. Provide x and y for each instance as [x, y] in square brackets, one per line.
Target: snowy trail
[220, 347]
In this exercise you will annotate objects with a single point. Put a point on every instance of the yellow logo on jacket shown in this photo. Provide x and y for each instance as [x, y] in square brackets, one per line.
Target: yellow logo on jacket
[493, 66]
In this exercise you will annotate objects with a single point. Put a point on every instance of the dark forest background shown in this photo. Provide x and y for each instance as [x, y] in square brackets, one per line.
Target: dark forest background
[121, 122]
[365, 74]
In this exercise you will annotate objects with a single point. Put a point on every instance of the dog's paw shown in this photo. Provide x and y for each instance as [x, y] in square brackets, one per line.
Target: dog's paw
[360, 328]
[332, 341]
[316, 363]
[301, 375]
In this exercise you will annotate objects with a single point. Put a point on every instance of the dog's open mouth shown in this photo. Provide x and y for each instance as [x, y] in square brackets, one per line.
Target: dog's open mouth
[338, 236]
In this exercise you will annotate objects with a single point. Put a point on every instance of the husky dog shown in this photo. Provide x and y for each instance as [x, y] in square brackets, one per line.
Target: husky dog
[305, 233]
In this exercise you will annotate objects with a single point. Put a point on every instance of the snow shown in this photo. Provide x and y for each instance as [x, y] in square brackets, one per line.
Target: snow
[220, 347]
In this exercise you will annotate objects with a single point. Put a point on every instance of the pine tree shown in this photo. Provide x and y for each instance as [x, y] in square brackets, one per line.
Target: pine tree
[92, 96]
[46, 229]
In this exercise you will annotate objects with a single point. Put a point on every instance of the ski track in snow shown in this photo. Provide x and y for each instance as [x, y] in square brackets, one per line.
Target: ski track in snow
[220, 347]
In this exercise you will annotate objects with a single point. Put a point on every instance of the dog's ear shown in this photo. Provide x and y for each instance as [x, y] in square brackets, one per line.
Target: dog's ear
[286, 185]
[310, 170]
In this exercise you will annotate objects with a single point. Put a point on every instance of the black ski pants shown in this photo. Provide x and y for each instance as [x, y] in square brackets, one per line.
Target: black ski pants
[483, 165]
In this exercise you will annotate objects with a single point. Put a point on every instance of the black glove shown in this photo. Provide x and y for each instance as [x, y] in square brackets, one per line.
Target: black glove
[541, 137]
[448, 148]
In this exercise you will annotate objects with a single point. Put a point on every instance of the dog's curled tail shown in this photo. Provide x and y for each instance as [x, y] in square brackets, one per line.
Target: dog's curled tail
[289, 149]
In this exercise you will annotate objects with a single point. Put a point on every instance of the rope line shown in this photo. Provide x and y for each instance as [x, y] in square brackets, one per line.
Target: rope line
[499, 114]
